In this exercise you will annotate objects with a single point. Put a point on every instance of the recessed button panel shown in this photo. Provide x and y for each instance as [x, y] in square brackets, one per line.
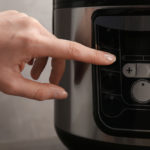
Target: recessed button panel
[122, 90]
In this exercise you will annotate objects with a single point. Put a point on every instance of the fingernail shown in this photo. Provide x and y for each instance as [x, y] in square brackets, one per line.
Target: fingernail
[60, 94]
[64, 94]
[110, 57]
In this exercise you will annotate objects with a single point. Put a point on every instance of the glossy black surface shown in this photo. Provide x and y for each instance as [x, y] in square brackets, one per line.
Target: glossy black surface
[110, 44]
[129, 119]
[115, 110]
[85, 3]
[110, 82]
[133, 58]
[111, 105]
[135, 43]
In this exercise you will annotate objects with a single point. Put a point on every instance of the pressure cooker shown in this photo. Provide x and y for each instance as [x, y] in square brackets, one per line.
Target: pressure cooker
[108, 107]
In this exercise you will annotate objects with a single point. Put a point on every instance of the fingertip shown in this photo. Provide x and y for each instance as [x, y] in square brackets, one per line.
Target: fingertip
[64, 95]
[104, 58]
[60, 94]
[110, 58]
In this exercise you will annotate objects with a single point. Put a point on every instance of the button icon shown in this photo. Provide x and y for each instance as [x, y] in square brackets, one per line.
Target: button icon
[129, 70]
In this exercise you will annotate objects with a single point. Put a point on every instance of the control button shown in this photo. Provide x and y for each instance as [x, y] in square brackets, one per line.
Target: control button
[139, 70]
[110, 82]
[129, 70]
[140, 91]
[112, 105]
[143, 70]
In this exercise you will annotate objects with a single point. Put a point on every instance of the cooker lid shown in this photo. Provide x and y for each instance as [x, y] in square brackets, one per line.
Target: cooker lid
[86, 3]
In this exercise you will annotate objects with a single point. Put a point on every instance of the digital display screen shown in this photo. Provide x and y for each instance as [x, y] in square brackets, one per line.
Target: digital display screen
[135, 42]
[107, 38]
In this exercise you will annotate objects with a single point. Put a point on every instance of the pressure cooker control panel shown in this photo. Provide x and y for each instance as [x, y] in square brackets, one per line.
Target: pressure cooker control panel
[121, 91]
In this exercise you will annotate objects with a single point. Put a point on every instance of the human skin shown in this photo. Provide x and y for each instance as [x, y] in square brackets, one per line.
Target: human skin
[23, 40]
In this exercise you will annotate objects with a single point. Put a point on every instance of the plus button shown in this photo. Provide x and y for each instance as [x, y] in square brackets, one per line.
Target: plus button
[129, 70]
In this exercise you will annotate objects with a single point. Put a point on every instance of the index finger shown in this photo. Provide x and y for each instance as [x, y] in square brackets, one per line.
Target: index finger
[59, 48]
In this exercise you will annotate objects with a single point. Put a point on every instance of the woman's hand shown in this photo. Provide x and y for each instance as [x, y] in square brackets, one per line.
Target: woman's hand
[22, 40]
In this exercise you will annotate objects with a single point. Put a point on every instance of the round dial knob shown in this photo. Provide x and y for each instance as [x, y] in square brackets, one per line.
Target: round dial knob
[141, 91]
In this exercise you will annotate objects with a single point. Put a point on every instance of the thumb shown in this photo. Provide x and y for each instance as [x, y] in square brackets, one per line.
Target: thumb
[35, 90]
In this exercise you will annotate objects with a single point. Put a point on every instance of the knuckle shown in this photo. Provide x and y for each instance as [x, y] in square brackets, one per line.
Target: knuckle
[12, 11]
[24, 40]
[24, 14]
[39, 94]
[94, 57]
[33, 20]
[73, 51]
[27, 41]
[43, 92]
[23, 21]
